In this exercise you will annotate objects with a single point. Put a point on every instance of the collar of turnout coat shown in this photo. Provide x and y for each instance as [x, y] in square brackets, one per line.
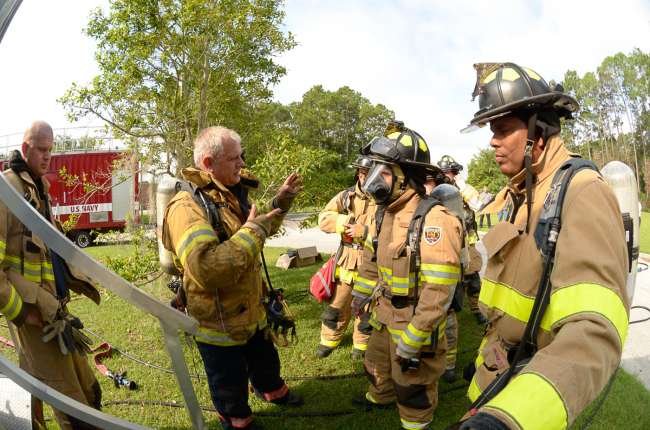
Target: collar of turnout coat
[552, 157]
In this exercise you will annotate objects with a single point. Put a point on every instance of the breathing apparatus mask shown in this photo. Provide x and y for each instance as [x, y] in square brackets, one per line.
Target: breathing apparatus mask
[376, 185]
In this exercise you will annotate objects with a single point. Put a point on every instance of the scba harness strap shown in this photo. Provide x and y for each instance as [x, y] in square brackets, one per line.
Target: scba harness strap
[210, 206]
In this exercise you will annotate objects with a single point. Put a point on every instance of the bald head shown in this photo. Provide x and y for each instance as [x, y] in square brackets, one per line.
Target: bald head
[38, 141]
[39, 130]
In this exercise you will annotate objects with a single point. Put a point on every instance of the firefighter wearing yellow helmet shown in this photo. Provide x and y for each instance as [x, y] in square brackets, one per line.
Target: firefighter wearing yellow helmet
[410, 268]
[349, 213]
[554, 288]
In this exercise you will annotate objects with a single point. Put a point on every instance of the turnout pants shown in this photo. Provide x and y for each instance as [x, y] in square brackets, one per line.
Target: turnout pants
[229, 368]
[415, 391]
[69, 374]
[451, 332]
[336, 317]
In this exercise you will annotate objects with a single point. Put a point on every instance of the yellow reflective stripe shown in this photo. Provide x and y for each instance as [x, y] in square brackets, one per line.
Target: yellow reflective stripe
[192, 237]
[247, 241]
[48, 272]
[443, 274]
[586, 297]
[29, 271]
[501, 296]
[364, 286]
[360, 346]
[446, 268]
[396, 335]
[413, 424]
[521, 400]
[565, 302]
[13, 306]
[15, 262]
[419, 333]
[367, 244]
[414, 337]
[479, 358]
[215, 337]
[344, 275]
[3, 248]
[371, 399]
[473, 391]
[329, 343]
[341, 220]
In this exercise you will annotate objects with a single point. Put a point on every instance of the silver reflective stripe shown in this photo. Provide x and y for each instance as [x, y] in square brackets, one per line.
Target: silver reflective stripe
[325, 284]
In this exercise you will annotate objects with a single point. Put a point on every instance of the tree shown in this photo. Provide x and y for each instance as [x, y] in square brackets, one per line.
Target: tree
[613, 120]
[341, 121]
[169, 68]
[483, 172]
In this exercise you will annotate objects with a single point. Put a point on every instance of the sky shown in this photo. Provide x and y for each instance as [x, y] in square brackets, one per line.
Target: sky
[413, 56]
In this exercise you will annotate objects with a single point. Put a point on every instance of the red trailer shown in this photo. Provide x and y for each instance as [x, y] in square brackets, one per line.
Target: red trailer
[90, 188]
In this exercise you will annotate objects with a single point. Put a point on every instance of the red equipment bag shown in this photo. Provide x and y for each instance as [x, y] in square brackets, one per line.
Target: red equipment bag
[322, 283]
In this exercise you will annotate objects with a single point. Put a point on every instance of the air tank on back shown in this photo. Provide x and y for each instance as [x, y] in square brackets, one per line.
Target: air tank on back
[451, 198]
[166, 190]
[623, 182]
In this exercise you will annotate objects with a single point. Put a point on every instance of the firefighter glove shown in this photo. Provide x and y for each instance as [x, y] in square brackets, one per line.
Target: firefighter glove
[67, 331]
[62, 332]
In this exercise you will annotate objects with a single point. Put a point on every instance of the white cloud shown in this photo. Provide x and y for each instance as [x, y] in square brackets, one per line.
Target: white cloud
[416, 56]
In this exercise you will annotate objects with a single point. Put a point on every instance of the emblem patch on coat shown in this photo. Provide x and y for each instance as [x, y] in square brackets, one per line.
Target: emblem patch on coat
[432, 235]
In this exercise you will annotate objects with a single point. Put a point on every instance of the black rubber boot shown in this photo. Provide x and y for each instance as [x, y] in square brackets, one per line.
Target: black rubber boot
[363, 402]
[480, 319]
[357, 354]
[323, 351]
[291, 399]
[449, 376]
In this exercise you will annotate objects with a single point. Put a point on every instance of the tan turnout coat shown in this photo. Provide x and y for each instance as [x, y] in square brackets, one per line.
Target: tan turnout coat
[584, 328]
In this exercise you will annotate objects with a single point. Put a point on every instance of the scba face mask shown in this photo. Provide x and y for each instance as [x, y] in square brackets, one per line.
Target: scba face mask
[378, 187]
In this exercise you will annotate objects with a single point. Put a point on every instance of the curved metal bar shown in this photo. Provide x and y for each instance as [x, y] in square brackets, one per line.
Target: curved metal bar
[62, 402]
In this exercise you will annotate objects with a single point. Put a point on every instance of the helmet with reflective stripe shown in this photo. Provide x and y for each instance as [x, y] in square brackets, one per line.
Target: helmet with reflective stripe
[404, 147]
[448, 164]
[505, 88]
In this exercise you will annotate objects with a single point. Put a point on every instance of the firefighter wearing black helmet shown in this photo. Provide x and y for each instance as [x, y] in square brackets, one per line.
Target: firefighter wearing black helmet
[579, 336]
[349, 214]
[406, 350]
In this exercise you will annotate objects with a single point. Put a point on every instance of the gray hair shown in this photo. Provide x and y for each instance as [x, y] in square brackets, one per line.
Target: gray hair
[210, 140]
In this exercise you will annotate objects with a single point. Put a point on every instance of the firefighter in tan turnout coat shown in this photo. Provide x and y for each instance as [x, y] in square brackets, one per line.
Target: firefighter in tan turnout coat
[349, 213]
[406, 350]
[582, 331]
[33, 300]
[222, 283]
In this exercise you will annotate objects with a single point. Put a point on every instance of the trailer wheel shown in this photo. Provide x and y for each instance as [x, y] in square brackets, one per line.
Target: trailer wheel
[83, 239]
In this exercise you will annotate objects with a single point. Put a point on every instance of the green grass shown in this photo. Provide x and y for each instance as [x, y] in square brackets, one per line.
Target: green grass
[131, 330]
[644, 238]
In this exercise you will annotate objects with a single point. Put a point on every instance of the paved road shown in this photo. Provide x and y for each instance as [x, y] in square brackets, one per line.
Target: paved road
[636, 354]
